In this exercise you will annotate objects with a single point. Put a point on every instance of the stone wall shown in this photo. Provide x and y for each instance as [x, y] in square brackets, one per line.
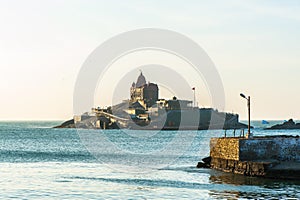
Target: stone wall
[277, 148]
[285, 170]
[240, 167]
[225, 148]
[282, 148]
[273, 156]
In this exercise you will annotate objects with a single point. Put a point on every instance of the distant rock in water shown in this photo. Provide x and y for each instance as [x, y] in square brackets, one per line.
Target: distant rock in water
[290, 124]
[67, 124]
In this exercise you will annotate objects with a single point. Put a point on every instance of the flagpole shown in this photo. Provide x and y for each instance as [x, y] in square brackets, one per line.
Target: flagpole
[194, 89]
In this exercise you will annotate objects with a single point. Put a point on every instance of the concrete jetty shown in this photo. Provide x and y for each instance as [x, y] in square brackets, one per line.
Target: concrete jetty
[270, 156]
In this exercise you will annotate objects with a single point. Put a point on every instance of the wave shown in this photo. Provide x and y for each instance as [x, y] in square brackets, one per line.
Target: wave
[35, 156]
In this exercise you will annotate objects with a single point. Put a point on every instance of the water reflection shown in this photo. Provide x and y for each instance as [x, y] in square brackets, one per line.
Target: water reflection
[253, 187]
[214, 194]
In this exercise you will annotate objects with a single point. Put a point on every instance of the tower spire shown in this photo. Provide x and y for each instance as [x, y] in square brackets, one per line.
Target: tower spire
[141, 80]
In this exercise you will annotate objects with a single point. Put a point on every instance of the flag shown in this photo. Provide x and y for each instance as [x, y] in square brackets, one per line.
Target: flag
[265, 122]
[193, 88]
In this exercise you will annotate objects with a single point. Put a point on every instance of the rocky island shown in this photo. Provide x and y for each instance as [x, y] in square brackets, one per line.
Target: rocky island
[290, 124]
[145, 110]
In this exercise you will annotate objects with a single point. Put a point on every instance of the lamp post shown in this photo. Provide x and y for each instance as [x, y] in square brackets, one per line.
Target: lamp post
[248, 105]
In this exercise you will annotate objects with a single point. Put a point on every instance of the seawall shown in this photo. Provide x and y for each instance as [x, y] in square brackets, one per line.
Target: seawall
[273, 156]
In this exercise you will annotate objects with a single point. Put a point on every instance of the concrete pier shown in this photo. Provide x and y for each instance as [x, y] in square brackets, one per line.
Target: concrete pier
[273, 156]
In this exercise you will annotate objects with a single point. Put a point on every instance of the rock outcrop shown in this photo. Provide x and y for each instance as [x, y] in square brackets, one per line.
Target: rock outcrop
[66, 124]
[290, 124]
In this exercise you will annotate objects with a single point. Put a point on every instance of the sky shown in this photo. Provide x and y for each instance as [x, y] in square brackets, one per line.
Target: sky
[255, 46]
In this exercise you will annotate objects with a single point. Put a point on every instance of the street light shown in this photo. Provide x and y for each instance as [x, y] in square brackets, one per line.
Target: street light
[242, 95]
[248, 104]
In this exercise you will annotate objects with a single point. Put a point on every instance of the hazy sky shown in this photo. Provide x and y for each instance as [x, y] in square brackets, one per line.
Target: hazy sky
[255, 46]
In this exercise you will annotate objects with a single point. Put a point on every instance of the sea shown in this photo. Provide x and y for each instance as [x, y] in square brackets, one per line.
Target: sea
[40, 162]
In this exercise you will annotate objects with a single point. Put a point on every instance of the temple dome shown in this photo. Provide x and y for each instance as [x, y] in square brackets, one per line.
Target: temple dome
[141, 80]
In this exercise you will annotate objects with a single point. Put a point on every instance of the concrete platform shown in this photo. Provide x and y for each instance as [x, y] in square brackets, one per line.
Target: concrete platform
[272, 156]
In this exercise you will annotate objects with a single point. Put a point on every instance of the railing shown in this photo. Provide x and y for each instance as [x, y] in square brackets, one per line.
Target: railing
[242, 133]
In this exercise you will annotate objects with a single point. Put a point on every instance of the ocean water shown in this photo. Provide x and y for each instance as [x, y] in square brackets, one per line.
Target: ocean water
[38, 162]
